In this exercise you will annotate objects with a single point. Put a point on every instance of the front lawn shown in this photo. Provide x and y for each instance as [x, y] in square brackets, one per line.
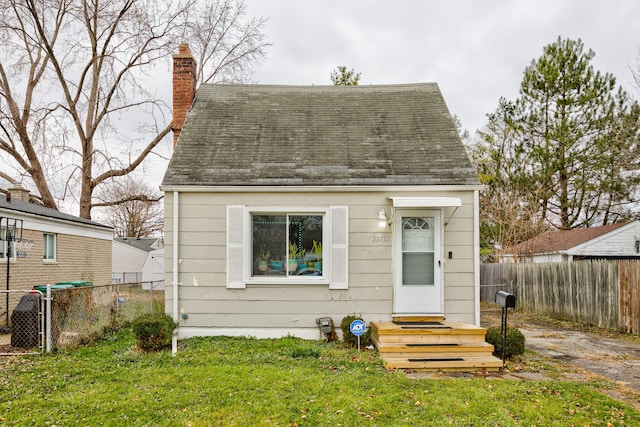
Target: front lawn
[285, 382]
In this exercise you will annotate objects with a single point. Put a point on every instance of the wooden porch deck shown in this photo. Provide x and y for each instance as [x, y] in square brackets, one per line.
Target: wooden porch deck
[427, 343]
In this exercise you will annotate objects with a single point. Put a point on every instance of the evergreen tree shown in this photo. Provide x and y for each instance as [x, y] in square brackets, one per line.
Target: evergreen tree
[343, 77]
[565, 152]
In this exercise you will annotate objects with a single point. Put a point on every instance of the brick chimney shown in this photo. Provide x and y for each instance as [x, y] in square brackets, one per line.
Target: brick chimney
[18, 193]
[184, 87]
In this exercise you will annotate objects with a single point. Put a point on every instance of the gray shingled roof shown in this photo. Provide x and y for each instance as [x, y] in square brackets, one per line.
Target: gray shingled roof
[33, 209]
[141, 243]
[319, 135]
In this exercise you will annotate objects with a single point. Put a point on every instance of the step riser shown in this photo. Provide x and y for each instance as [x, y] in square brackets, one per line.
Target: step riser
[463, 365]
[428, 339]
[430, 332]
[386, 346]
[431, 350]
[441, 355]
[401, 351]
[418, 318]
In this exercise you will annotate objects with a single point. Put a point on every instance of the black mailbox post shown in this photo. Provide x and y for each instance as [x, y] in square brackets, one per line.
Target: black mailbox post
[506, 301]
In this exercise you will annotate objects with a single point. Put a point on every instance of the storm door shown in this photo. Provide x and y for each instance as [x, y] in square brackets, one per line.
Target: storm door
[417, 262]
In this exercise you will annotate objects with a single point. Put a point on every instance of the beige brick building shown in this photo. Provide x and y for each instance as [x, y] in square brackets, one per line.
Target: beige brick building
[54, 247]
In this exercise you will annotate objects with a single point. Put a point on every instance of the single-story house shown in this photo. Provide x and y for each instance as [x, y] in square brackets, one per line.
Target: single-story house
[286, 204]
[52, 247]
[609, 242]
[138, 260]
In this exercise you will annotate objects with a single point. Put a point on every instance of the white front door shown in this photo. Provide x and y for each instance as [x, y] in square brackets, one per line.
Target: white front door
[417, 262]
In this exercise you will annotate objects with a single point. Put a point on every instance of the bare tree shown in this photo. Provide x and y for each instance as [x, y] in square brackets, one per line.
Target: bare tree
[509, 210]
[78, 104]
[133, 209]
[635, 72]
[224, 40]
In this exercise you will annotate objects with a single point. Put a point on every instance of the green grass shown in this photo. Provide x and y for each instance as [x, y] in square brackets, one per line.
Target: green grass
[285, 382]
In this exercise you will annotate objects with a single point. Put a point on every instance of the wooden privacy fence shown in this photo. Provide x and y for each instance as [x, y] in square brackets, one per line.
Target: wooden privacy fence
[605, 294]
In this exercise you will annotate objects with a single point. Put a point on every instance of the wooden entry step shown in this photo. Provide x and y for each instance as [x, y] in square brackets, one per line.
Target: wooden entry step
[428, 344]
[418, 318]
[459, 364]
[434, 350]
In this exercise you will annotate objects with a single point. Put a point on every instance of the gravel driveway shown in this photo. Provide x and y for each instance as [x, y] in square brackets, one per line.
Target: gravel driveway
[616, 359]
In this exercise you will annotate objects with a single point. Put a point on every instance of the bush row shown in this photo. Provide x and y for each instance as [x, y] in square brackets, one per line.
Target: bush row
[154, 332]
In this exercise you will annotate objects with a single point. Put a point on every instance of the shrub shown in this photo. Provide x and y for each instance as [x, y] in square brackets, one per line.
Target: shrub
[515, 341]
[153, 331]
[349, 338]
[72, 308]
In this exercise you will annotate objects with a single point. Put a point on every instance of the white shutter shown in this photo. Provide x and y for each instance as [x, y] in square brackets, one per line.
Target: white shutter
[339, 244]
[235, 247]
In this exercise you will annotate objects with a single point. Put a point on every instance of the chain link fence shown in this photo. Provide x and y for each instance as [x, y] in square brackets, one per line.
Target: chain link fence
[79, 315]
[21, 327]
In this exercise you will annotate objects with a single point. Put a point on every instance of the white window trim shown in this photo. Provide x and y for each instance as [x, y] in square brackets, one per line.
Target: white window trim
[3, 249]
[55, 248]
[335, 245]
[287, 210]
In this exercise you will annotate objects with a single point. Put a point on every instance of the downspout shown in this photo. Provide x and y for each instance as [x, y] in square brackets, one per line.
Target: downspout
[176, 239]
[476, 252]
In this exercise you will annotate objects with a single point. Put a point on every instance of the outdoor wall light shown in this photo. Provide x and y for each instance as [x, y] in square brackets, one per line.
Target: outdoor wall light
[382, 219]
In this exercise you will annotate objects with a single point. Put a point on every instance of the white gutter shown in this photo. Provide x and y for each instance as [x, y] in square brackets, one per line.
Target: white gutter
[176, 211]
[318, 188]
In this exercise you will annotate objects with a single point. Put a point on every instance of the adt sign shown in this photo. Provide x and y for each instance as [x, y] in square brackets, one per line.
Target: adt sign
[357, 327]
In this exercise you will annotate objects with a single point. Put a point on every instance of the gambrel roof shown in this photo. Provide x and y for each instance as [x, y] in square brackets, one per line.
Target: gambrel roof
[257, 135]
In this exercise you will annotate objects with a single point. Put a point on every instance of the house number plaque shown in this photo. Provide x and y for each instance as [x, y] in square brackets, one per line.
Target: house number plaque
[380, 238]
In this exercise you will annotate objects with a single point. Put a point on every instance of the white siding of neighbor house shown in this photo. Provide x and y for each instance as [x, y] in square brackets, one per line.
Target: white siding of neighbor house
[555, 257]
[619, 243]
[153, 270]
[127, 261]
[207, 307]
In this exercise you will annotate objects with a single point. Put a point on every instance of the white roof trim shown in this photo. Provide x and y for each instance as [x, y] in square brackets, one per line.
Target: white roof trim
[398, 189]
[425, 202]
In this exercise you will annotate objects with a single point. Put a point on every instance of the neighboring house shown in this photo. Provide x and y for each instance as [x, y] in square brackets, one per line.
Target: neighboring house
[153, 270]
[138, 260]
[615, 241]
[376, 175]
[55, 247]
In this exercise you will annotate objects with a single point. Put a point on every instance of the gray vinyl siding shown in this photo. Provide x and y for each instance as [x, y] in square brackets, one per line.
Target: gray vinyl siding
[209, 304]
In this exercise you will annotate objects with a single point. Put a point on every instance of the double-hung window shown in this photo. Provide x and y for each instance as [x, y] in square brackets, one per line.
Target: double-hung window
[4, 246]
[287, 244]
[48, 247]
[296, 245]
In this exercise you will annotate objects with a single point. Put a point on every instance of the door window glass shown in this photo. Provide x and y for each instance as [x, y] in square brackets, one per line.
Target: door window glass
[417, 251]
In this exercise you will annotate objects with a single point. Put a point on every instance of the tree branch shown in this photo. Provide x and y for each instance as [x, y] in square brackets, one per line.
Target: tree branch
[137, 197]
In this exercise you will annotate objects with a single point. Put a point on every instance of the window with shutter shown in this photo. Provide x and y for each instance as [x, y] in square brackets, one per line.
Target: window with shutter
[273, 245]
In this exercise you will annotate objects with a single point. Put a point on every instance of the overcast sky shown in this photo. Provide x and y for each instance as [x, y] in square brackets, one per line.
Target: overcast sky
[476, 50]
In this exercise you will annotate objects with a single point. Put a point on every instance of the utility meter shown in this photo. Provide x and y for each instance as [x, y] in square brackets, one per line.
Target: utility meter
[325, 324]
